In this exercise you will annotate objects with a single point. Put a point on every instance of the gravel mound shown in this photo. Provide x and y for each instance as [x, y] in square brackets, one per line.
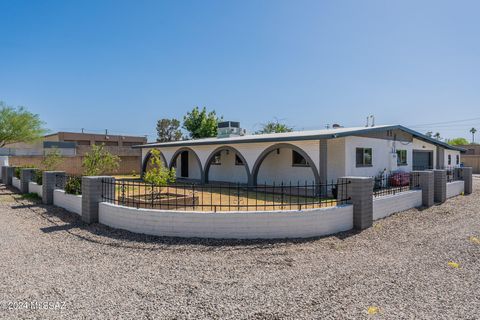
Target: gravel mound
[398, 269]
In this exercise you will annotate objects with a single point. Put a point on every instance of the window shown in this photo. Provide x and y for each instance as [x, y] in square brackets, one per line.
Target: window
[402, 157]
[238, 161]
[298, 160]
[364, 157]
[216, 159]
[458, 159]
[449, 159]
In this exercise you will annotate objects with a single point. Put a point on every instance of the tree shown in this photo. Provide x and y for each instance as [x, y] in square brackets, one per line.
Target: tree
[437, 136]
[201, 124]
[457, 141]
[274, 127]
[52, 160]
[157, 174]
[19, 125]
[473, 131]
[99, 161]
[429, 134]
[168, 130]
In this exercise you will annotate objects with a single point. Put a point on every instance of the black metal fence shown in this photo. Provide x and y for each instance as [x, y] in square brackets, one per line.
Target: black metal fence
[389, 184]
[453, 175]
[224, 197]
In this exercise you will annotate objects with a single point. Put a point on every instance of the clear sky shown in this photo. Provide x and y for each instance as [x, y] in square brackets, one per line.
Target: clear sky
[122, 65]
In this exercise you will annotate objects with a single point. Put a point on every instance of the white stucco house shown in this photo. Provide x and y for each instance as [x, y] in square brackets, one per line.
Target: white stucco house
[304, 156]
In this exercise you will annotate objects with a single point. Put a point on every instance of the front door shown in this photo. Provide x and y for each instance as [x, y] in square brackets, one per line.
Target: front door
[422, 160]
[184, 164]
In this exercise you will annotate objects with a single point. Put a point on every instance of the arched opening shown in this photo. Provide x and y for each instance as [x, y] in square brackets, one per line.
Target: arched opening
[187, 164]
[146, 162]
[284, 163]
[227, 164]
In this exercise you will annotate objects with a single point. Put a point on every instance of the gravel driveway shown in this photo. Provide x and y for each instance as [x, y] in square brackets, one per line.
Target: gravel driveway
[400, 266]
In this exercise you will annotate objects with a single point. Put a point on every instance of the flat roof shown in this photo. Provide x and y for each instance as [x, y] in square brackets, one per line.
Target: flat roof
[298, 135]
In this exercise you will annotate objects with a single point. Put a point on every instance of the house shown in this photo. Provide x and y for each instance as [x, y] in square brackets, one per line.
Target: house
[471, 158]
[302, 157]
[73, 146]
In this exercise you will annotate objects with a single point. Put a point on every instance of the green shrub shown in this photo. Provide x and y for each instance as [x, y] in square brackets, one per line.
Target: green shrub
[38, 177]
[17, 172]
[73, 185]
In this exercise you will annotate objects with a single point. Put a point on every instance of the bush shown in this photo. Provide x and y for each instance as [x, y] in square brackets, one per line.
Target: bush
[73, 185]
[17, 172]
[38, 177]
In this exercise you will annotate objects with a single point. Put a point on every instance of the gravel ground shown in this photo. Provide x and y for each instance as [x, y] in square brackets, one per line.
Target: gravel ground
[400, 266]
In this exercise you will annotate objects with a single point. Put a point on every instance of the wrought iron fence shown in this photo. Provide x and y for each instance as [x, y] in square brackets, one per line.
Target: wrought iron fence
[453, 175]
[395, 182]
[224, 197]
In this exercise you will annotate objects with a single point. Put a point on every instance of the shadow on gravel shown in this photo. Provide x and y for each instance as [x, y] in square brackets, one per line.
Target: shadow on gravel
[64, 221]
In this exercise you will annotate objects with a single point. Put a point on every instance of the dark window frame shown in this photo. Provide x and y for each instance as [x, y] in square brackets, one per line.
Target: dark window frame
[364, 163]
[458, 159]
[298, 160]
[399, 162]
[449, 159]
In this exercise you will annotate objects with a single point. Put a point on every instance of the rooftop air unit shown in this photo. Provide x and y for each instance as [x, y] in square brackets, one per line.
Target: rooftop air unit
[229, 129]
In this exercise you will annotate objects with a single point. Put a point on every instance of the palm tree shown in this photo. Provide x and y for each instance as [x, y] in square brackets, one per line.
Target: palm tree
[437, 136]
[473, 131]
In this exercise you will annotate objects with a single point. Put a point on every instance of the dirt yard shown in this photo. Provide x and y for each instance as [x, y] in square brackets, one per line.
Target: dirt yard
[419, 264]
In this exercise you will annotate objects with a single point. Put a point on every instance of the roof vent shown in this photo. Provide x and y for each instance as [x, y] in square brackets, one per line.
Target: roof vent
[228, 129]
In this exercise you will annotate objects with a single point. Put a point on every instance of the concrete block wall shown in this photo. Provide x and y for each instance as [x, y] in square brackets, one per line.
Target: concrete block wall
[33, 187]
[468, 179]
[26, 175]
[360, 191]
[92, 196]
[390, 204]
[440, 186]
[69, 202]
[16, 183]
[229, 225]
[49, 181]
[455, 188]
[426, 181]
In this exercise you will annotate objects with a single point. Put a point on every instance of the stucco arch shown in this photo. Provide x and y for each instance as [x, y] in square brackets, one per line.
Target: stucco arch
[267, 151]
[147, 159]
[191, 151]
[232, 149]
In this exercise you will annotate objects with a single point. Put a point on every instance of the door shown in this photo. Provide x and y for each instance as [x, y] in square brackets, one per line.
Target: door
[184, 164]
[422, 160]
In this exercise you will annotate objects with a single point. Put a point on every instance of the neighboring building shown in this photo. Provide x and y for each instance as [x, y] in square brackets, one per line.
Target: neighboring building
[73, 146]
[471, 157]
[303, 156]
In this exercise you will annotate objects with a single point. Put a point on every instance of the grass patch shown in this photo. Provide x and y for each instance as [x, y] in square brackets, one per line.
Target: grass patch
[31, 196]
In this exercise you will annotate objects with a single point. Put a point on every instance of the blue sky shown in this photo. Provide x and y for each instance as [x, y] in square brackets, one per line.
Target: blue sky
[122, 65]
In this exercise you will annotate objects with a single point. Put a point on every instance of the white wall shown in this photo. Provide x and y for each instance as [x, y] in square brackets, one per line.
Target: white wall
[277, 168]
[455, 188]
[336, 160]
[383, 156]
[227, 171]
[238, 225]
[33, 187]
[16, 182]
[453, 154]
[3, 162]
[69, 202]
[390, 204]
[194, 170]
